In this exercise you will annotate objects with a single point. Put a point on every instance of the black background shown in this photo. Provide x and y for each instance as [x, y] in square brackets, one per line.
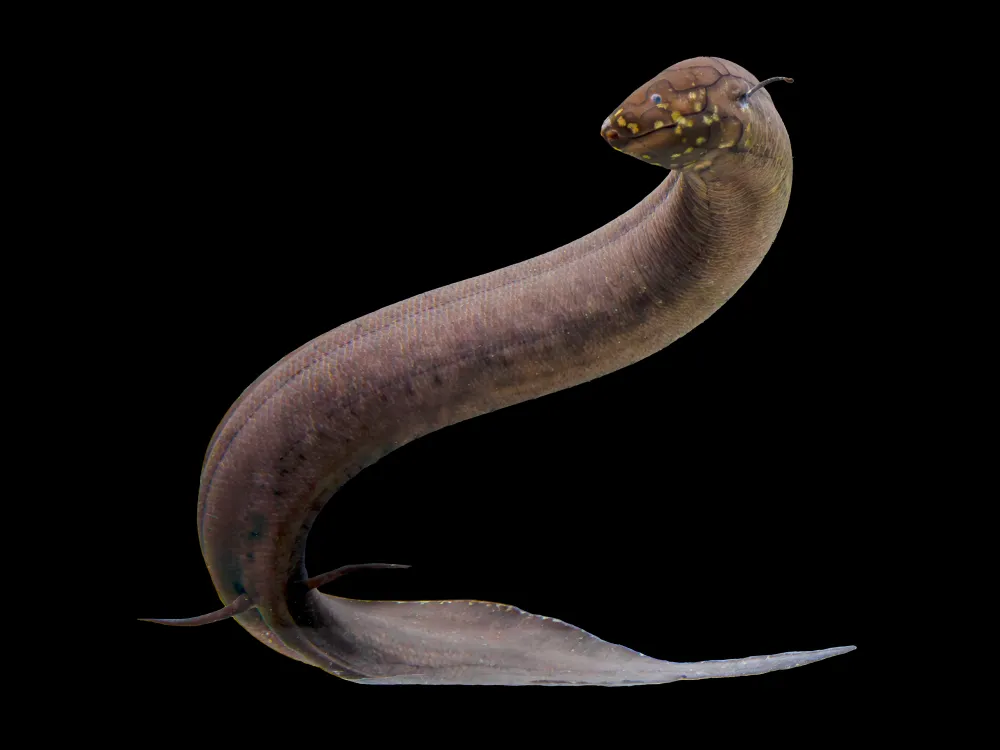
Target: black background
[279, 178]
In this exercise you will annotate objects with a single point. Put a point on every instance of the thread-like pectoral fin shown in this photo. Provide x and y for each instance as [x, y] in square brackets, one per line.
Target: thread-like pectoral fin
[242, 603]
[316, 581]
[237, 606]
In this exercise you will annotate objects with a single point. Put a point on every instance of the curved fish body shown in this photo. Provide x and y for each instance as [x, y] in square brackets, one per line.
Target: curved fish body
[349, 397]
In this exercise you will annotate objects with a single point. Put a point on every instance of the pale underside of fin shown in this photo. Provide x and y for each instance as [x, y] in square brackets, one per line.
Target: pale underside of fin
[669, 672]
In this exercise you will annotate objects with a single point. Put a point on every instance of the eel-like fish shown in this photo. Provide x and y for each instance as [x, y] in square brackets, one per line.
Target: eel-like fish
[352, 395]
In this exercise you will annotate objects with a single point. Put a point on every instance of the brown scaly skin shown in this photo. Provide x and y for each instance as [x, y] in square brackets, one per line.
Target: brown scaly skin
[600, 303]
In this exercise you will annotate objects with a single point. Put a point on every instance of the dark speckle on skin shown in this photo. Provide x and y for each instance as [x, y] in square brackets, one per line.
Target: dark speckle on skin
[256, 527]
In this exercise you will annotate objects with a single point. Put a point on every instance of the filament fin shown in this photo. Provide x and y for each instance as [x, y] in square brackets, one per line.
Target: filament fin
[237, 606]
[316, 581]
[242, 603]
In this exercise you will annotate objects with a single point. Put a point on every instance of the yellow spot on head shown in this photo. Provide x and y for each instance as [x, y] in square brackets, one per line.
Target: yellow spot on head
[663, 105]
[675, 116]
[689, 149]
[646, 156]
[707, 119]
[674, 156]
[618, 112]
[658, 124]
[656, 163]
[692, 95]
[621, 122]
[634, 127]
[727, 144]
[699, 140]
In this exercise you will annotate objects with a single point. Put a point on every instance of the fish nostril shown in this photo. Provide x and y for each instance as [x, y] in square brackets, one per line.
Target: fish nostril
[611, 135]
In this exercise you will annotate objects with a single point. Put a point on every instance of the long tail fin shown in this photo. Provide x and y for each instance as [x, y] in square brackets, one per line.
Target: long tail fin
[702, 670]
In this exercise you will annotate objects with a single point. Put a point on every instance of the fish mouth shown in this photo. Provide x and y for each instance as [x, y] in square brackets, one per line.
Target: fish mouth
[647, 139]
[622, 139]
[644, 133]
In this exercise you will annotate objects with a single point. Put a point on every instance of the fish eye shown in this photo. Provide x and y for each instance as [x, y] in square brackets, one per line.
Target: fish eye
[656, 98]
